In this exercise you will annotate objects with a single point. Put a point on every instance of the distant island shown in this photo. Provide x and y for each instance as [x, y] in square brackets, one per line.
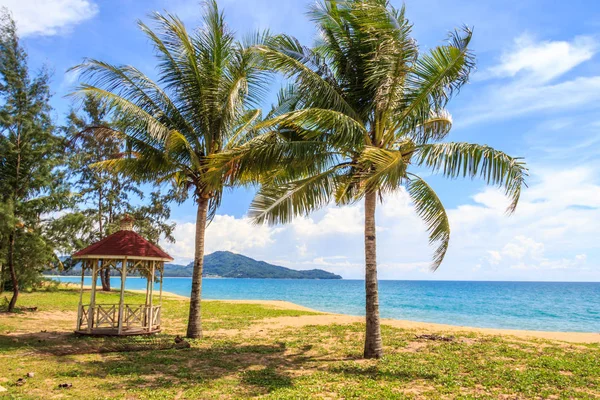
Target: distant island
[225, 264]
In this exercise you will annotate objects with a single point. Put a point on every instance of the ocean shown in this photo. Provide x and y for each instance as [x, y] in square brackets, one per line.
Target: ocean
[545, 306]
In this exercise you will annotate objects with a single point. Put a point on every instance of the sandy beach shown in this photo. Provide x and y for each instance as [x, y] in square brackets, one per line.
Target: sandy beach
[324, 318]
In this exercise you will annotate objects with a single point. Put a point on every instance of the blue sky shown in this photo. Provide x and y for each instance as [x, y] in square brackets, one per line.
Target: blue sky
[535, 94]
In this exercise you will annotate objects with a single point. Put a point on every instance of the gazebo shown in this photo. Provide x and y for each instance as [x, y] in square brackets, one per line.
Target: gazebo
[127, 252]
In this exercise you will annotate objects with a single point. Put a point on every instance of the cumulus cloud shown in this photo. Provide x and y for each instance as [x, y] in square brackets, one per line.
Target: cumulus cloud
[49, 17]
[524, 80]
[345, 220]
[524, 253]
[542, 61]
[224, 233]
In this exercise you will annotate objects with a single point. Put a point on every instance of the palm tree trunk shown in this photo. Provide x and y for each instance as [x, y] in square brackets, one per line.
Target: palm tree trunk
[373, 345]
[13, 273]
[105, 278]
[194, 329]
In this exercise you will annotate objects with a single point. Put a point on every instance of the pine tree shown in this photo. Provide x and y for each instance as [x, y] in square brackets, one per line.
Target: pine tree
[103, 197]
[30, 152]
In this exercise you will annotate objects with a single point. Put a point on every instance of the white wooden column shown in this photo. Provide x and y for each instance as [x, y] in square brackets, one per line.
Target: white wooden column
[162, 275]
[122, 299]
[80, 308]
[151, 319]
[92, 306]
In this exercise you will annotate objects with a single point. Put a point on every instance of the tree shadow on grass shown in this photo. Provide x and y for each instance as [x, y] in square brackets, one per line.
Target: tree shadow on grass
[377, 372]
[39, 340]
[259, 368]
[68, 343]
[249, 369]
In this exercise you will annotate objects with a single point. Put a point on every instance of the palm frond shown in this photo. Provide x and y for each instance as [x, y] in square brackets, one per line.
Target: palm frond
[385, 169]
[472, 160]
[281, 203]
[339, 129]
[312, 76]
[437, 76]
[147, 169]
[434, 128]
[432, 211]
[151, 125]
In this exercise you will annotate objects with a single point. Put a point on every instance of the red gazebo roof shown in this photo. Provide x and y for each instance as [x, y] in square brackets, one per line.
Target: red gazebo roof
[124, 243]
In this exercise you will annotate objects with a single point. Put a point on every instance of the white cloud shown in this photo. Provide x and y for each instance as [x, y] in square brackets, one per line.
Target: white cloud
[519, 98]
[522, 81]
[525, 253]
[49, 17]
[545, 60]
[224, 233]
[344, 220]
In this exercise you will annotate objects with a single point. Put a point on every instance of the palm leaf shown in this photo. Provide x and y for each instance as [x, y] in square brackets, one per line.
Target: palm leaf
[432, 211]
[472, 160]
[280, 204]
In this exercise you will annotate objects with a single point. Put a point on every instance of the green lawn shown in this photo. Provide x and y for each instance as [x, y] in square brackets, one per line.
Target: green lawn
[242, 357]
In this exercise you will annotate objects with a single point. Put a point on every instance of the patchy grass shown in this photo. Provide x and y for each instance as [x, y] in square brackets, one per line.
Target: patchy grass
[315, 361]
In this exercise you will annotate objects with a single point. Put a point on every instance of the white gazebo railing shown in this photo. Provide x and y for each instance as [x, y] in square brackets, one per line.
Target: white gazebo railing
[136, 318]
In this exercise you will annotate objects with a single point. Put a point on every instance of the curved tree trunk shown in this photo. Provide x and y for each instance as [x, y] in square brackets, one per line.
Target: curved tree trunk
[13, 273]
[194, 329]
[105, 278]
[373, 345]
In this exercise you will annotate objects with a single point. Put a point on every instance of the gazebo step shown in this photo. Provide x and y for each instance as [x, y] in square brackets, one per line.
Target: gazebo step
[115, 332]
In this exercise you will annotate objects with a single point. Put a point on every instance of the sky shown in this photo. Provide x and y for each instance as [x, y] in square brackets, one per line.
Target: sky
[535, 94]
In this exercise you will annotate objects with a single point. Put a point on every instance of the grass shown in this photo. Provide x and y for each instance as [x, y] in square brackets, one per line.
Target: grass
[242, 356]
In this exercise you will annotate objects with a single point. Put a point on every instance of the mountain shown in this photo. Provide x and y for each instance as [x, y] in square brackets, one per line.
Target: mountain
[225, 264]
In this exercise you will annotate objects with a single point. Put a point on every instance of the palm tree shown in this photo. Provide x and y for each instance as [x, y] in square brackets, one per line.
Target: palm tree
[365, 112]
[198, 107]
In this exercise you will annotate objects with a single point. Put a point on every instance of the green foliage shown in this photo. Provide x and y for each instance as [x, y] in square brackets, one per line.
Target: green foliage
[246, 354]
[101, 195]
[31, 182]
[104, 197]
[198, 106]
[366, 107]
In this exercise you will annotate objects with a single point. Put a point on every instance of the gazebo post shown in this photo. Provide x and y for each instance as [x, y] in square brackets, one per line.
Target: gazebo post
[122, 298]
[147, 269]
[92, 306]
[80, 308]
[162, 273]
[151, 284]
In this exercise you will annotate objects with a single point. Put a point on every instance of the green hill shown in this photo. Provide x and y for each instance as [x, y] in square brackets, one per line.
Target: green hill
[225, 264]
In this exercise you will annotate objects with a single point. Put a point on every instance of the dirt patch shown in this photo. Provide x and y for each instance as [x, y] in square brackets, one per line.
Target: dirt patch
[414, 347]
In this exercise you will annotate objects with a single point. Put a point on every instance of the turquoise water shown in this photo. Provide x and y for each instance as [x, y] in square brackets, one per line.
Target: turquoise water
[548, 306]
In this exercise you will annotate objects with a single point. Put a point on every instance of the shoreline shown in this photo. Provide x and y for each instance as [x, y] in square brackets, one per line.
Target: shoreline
[326, 318]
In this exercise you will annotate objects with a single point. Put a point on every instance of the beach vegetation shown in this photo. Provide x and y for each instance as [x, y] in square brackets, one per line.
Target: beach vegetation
[31, 181]
[363, 117]
[203, 102]
[254, 350]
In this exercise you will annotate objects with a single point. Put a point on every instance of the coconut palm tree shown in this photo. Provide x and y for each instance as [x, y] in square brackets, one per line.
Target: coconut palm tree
[200, 104]
[365, 112]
